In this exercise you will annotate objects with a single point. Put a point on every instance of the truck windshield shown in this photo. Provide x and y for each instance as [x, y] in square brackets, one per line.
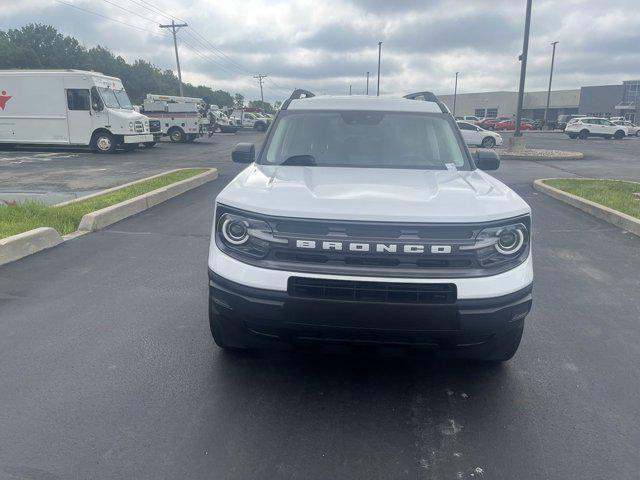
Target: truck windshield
[115, 98]
[364, 139]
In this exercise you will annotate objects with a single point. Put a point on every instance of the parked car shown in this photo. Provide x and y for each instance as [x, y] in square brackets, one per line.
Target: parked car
[562, 120]
[476, 136]
[469, 118]
[490, 123]
[69, 107]
[586, 127]
[632, 128]
[365, 220]
[511, 125]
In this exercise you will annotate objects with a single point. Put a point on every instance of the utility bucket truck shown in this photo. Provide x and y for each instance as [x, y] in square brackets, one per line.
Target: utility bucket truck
[68, 107]
[181, 118]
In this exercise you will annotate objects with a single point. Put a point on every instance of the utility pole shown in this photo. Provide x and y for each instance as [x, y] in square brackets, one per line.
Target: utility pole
[174, 29]
[455, 95]
[349, 89]
[523, 68]
[260, 77]
[379, 53]
[367, 83]
[553, 57]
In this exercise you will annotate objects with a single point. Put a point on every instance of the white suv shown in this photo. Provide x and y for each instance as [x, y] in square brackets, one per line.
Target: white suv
[585, 127]
[366, 220]
[477, 136]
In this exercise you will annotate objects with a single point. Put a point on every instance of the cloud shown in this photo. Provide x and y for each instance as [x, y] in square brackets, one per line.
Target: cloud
[327, 46]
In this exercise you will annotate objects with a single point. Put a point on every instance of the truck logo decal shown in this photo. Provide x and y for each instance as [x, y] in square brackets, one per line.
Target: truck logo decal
[372, 247]
[4, 98]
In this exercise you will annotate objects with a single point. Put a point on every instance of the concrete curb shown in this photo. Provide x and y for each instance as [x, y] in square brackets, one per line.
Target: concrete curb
[619, 219]
[18, 246]
[23, 244]
[107, 216]
[524, 156]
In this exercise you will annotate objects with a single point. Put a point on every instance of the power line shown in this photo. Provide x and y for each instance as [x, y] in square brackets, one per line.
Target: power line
[129, 11]
[112, 19]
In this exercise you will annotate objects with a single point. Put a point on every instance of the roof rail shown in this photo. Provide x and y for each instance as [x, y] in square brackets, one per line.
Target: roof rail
[424, 96]
[296, 95]
[428, 97]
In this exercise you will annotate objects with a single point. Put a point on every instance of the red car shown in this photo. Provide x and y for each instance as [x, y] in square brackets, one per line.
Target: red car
[490, 123]
[511, 125]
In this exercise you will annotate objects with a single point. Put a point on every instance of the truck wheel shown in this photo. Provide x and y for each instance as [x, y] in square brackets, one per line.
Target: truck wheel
[217, 330]
[149, 144]
[261, 127]
[619, 135]
[176, 135]
[584, 134]
[503, 347]
[488, 142]
[637, 133]
[103, 142]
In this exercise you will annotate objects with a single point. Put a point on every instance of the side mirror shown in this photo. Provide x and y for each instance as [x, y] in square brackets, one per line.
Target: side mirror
[244, 153]
[487, 159]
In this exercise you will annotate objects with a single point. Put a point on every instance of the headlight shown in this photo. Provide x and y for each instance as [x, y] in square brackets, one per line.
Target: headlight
[502, 244]
[240, 234]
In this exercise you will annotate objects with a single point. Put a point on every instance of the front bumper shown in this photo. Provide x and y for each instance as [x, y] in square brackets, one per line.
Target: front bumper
[267, 315]
[138, 138]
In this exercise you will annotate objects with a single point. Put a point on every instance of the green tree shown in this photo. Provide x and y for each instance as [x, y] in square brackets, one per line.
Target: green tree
[265, 106]
[238, 100]
[42, 46]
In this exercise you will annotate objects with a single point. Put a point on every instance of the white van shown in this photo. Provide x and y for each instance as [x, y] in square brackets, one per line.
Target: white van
[69, 107]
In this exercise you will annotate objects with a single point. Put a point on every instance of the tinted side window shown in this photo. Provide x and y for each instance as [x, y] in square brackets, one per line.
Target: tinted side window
[466, 126]
[77, 99]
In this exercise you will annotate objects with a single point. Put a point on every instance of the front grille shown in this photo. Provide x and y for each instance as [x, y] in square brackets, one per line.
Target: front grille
[154, 126]
[139, 126]
[382, 292]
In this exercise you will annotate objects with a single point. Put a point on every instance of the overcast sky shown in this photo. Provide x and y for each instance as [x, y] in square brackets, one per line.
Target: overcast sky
[327, 45]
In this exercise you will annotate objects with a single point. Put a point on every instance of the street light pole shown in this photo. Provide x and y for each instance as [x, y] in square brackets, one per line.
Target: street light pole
[523, 68]
[455, 95]
[553, 57]
[349, 89]
[367, 83]
[379, 53]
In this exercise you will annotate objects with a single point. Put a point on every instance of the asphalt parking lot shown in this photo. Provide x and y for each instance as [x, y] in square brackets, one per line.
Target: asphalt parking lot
[108, 370]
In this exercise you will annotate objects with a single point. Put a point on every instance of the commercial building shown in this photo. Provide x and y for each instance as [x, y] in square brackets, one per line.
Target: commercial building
[603, 100]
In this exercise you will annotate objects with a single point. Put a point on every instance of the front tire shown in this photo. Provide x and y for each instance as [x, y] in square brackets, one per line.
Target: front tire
[584, 134]
[176, 135]
[619, 135]
[103, 142]
[488, 142]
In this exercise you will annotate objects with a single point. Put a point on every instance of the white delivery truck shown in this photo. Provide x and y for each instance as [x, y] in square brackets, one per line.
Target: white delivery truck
[68, 107]
[180, 117]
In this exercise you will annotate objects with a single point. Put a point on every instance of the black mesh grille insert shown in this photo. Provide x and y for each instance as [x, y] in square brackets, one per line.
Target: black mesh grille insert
[383, 292]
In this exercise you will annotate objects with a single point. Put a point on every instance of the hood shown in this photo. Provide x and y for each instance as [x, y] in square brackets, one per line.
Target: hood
[128, 115]
[374, 194]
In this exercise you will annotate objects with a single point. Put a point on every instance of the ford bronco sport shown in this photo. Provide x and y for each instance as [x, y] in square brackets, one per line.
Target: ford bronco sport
[367, 220]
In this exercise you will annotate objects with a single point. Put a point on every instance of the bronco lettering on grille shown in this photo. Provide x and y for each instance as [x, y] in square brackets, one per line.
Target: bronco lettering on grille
[372, 247]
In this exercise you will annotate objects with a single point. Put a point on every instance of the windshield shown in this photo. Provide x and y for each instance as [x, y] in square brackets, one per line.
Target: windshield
[115, 98]
[364, 139]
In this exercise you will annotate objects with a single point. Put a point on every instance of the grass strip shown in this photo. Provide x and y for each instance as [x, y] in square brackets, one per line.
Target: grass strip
[620, 195]
[25, 216]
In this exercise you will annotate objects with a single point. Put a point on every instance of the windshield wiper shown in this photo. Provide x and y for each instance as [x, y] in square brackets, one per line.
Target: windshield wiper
[300, 161]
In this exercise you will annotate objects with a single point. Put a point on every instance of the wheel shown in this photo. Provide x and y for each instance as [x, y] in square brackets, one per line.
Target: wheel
[149, 144]
[572, 136]
[488, 142]
[220, 336]
[176, 135]
[103, 142]
[619, 135]
[261, 127]
[584, 134]
[637, 133]
[503, 347]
